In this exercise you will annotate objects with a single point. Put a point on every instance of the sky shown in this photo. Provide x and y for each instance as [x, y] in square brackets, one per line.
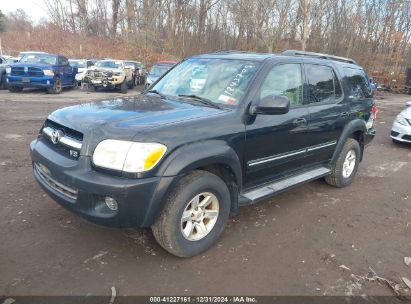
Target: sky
[34, 8]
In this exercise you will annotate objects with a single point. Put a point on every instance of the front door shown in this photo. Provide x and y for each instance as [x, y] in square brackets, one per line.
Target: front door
[275, 144]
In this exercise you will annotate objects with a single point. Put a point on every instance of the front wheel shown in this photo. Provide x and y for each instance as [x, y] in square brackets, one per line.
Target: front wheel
[194, 215]
[57, 87]
[3, 84]
[344, 169]
[15, 89]
[123, 87]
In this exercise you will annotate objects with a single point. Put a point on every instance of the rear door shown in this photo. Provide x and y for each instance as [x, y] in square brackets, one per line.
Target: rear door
[66, 71]
[275, 144]
[328, 111]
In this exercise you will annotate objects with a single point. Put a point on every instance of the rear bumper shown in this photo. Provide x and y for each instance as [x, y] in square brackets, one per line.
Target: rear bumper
[77, 187]
[369, 136]
[34, 82]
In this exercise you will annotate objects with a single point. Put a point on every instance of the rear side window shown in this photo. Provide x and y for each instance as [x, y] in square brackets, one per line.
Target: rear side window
[284, 80]
[322, 84]
[358, 84]
[63, 61]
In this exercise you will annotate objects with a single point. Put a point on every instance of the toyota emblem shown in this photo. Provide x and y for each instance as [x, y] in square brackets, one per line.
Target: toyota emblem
[56, 136]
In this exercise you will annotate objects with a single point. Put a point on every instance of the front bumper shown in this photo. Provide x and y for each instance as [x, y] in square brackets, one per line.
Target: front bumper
[107, 82]
[30, 82]
[400, 132]
[77, 187]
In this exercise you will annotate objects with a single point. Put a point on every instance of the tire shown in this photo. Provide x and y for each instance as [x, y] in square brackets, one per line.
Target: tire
[15, 89]
[169, 226]
[124, 87]
[3, 84]
[130, 84]
[57, 87]
[91, 88]
[340, 177]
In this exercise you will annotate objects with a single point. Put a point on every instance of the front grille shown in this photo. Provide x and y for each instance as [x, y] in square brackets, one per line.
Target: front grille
[34, 72]
[67, 131]
[17, 71]
[406, 137]
[55, 185]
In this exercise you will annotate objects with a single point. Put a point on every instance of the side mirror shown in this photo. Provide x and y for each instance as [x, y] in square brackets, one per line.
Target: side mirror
[271, 105]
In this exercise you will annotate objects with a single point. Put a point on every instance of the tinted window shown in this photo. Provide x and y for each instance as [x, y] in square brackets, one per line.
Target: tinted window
[337, 85]
[284, 80]
[358, 84]
[320, 83]
[63, 61]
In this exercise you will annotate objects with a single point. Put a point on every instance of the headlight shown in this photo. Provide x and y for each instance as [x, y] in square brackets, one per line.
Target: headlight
[401, 120]
[8, 70]
[128, 156]
[48, 72]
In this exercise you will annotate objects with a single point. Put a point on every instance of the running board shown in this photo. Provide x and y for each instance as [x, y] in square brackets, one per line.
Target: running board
[267, 190]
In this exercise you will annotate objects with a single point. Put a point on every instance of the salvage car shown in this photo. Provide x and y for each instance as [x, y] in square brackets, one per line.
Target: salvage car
[40, 70]
[401, 128]
[183, 156]
[158, 70]
[110, 73]
[82, 65]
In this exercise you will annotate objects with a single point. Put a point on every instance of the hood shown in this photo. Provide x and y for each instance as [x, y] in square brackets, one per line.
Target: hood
[125, 117]
[114, 70]
[407, 112]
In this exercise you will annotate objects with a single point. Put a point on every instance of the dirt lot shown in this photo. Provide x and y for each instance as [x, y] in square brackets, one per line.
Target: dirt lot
[293, 244]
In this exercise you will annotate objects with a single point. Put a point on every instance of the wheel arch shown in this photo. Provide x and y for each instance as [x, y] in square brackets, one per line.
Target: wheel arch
[356, 129]
[213, 156]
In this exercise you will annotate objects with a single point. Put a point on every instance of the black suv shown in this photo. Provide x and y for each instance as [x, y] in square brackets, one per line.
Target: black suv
[217, 132]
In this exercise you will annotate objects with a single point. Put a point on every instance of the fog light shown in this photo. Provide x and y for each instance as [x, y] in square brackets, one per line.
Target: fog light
[7, 79]
[48, 81]
[111, 203]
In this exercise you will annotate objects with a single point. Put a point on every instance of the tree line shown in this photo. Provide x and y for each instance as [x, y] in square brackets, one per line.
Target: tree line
[376, 33]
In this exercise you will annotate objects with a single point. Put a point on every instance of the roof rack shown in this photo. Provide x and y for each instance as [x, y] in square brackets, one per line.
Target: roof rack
[318, 55]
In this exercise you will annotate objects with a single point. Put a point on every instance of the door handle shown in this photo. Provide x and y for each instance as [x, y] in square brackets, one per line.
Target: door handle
[300, 122]
[344, 114]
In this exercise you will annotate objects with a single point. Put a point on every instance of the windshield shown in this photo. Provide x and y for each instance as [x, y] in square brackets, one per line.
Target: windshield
[77, 63]
[159, 69]
[108, 64]
[222, 81]
[39, 58]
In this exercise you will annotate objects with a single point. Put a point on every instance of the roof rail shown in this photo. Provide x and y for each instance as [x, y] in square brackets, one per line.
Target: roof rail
[318, 55]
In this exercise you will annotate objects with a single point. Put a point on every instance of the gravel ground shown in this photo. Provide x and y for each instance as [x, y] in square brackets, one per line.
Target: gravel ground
[292, 244]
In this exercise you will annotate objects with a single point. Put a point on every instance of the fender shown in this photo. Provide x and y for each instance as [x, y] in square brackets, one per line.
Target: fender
[351, 127]
[190, 157]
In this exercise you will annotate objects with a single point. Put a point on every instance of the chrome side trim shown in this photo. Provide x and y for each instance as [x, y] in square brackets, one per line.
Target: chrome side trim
[258, 162]
[309, 149]
[329, 144]
[65, 140]
[55, 185]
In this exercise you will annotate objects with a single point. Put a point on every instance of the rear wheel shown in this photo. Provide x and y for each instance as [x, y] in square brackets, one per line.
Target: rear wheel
[344, 169]
[194, 215]
[57, 87]
[15, 89]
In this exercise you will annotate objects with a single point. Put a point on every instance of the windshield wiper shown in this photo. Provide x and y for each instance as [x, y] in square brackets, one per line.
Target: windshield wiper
[202, 100]
[158, 93]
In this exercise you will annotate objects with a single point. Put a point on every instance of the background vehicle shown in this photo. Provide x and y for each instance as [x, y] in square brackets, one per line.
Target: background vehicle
[22, 54]
[139, 73]
[41, 70]
[110, 73]
[82, 65]
[158, 70]
[401, 128]
[184, 155]
[3, 66]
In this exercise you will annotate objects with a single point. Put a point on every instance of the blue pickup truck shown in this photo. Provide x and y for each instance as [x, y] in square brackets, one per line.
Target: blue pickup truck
[41, 70]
